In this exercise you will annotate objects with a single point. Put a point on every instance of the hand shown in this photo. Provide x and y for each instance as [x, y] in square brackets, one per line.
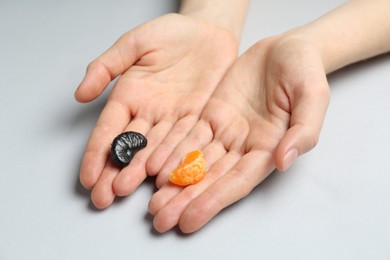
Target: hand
[268, 109]
[168, 69]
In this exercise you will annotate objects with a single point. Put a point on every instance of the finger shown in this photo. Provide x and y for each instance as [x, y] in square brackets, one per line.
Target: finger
[100, 72]
[308, 114]
[178, 132]
[111, 122]
[135, 173]
[212, 153]
[198, 137]
[249, 171]
[169, 215]
[161, 197]
[102, 194]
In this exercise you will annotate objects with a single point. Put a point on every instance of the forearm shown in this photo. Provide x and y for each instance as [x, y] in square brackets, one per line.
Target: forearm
[355, 31]
[228, 14]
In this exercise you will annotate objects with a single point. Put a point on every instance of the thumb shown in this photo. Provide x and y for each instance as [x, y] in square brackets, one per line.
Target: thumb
[100, 72]
[309, 105]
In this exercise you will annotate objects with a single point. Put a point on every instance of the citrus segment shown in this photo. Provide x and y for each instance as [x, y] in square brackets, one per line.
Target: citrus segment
[191, 170]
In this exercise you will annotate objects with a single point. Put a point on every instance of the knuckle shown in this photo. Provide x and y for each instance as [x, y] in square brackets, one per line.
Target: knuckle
[313, 139]
[92, 65]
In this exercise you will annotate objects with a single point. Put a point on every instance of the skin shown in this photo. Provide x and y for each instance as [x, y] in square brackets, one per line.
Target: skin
[259, 114]
[168, 68]
[251, 118]
[268, 110]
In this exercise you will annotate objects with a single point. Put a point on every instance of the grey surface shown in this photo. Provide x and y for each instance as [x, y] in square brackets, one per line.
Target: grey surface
[332, 204]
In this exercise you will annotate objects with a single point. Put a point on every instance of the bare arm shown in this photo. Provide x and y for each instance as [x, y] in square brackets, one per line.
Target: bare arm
[355, 31]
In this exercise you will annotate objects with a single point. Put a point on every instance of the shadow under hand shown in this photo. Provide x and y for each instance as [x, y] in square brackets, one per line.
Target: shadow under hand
[358, 67]
[82, 119]
[264, 189]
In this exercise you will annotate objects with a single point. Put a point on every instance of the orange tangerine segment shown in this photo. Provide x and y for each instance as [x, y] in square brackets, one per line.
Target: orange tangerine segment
[191, 170]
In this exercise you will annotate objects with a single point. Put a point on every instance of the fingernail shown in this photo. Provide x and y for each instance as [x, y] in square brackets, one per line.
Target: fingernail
[290, 158]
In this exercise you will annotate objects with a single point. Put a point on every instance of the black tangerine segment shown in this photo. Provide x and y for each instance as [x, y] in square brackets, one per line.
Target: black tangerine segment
[125, 146]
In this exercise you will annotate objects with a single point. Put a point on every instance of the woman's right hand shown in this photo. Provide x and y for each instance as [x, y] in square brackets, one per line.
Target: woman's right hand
[168, 68]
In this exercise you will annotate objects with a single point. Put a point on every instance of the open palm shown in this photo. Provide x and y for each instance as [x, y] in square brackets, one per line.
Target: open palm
[268, 109]
[168, 68]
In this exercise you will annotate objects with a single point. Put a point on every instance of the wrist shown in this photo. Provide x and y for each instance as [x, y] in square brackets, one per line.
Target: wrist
[336, 48]
[315, 40]
[227, 14]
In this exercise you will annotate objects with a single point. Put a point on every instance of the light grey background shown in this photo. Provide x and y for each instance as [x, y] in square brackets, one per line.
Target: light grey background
[332, 204]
